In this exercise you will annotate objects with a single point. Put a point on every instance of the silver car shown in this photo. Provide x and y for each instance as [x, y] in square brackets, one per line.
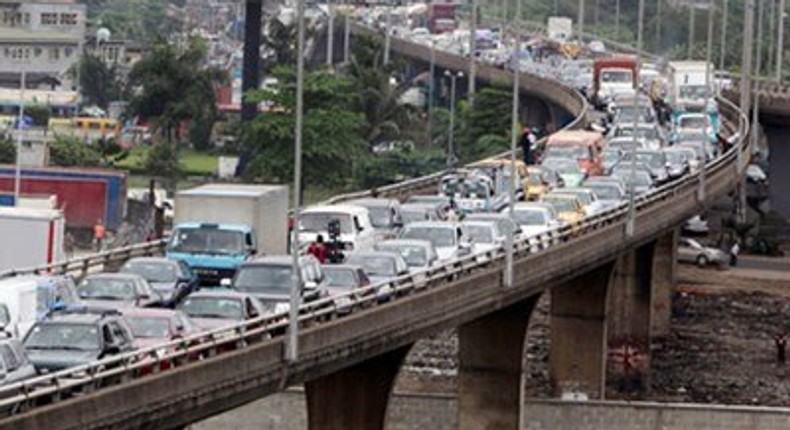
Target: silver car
[14, 363]
[691, 251]
[448, 238]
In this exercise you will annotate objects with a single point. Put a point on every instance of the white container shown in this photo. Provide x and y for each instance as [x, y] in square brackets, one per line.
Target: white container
[31, 237]
[262, 207]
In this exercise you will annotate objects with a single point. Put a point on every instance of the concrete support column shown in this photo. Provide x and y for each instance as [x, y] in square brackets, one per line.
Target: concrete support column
[665, 266]
[355, 397]
[630, 299]
[489, 375]
[577, 360]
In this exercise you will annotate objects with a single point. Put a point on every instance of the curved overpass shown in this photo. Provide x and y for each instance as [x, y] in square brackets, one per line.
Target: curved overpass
[351, 359]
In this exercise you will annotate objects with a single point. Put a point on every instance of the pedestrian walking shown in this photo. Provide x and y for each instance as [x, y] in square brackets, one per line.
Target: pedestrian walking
[318, 249]
[99, 232]
[734, 251]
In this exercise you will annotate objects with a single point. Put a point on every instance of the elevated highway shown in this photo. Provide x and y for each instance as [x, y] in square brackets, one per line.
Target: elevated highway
[607, 288]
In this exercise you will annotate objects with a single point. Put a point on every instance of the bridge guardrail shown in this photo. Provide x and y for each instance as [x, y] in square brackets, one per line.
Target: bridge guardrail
[58, 386]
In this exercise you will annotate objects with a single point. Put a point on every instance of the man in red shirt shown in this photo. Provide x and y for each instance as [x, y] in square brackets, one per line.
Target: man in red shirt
[318, 249]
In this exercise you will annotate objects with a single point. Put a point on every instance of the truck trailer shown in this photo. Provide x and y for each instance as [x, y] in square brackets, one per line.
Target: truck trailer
[31, 237]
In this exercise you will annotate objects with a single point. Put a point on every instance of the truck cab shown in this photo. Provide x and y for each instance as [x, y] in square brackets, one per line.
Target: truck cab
[613, 76]
[212, 250]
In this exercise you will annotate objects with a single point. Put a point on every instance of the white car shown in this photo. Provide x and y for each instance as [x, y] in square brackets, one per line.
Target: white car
[535, 218]
[691, 251]
[355, 228]
[450, 239]
[484, 235]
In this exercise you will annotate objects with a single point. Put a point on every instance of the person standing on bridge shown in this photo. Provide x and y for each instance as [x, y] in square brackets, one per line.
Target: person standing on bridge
[99, 231]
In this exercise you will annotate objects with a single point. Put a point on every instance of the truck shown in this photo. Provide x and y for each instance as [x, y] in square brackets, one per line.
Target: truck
[218, 227]
[84, 195]
[611, 76]
[31, 237]
[441, 17]
[687, 82]
[559, 28]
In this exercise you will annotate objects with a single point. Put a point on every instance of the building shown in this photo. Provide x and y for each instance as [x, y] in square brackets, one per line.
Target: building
[44, 39]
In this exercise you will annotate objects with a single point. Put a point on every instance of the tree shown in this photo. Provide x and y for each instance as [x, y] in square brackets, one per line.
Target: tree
[70, 151]
[7, 151]
[176, 88]
[99, 82]
[332, 146]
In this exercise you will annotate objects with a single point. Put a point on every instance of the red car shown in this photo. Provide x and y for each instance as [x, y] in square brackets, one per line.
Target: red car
[154, 327]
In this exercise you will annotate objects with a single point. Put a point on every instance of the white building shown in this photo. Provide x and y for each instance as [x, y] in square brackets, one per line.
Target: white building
[44, 39]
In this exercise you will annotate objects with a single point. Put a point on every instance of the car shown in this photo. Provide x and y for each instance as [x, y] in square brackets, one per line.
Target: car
[448, 238]
[705, 151]
[540, 181]
[656, 162]
[690, 154]
[173, 279]
[502, 220]
[385, 215]
[569, 208]
[219, 307]
[356, 229]
[441, 202]
[485, 235]
[117, 290]
[586, 196]
[381, 267]
[625, 143]
[15, 366]
[641, 180]
[678, 161]
[610, 193]
[77, 336]
[418, 254]
[413, 212]
[651, 134]
[472, 192]
[610, 156]
[536, 218]
[153, 327]
[624, 169]
[568, 169]
[342, 280]
[269, 279]
[691, 251]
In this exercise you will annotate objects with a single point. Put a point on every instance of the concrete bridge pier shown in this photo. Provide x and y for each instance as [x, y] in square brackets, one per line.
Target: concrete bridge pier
[577, 359]
[490, 367]
[355, 397]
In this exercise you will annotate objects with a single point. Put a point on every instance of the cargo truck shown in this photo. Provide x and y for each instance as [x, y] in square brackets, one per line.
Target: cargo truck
[31, 237]
[612, 76]
[441, 18]
[218, 227]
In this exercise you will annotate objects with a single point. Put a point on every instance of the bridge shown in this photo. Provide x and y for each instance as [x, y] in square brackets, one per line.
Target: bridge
[608, 289]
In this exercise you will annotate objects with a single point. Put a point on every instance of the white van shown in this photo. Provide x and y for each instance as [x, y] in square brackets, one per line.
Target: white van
[18, 305]
[356, 230]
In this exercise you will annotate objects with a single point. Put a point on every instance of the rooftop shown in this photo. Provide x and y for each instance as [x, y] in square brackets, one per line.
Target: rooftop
[16, 35]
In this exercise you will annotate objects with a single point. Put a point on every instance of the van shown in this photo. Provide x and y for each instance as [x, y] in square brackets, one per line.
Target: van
[356, 229]
[583, 146]
[27, 299]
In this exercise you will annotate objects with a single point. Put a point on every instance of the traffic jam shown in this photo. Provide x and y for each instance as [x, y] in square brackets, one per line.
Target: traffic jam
[225, 265]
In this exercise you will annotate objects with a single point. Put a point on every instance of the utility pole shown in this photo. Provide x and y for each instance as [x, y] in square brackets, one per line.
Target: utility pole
[708, 101]
[692, 27]
[508, 276]
[617, 20]
[251, 76]
[658, 26]
[330, 35]
[758, 74]
[745, 102]
[387, 34]
[472, 51]
[347, 37]
[780, 39]
[19, 132]
[723, 45]
[631, 221]
[581, 22]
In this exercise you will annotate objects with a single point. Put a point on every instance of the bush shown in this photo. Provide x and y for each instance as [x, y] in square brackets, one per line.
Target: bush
[7, 152]
[162, 161]
[71, 152]
[40, 114]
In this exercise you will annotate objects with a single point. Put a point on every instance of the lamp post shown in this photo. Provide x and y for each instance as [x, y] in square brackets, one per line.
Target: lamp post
[692, 27]
[472, 51]
[330, 36]
[617, 20]
[723, 43]
[292, 349]
[20, 131]
[758, 72]
[387, 33]
[431, 91]
[508, 276]
[346, 37]
[451, 135]
[780, 39]
[629, 225]
[581, 22]
[708, 95]
[745, 102]
[658, 26]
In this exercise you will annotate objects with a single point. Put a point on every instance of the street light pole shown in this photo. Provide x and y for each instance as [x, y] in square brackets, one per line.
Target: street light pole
[780, 39]
[472, 51]
[20, 131]
[708, 95]
[745, 102]
[451, 135]
[431, 91]
[658, 26]
[723, 45]
[758, 73]
[629, 225]
[617, 20]
[692, 27]
[330, 37]
[508, 278]
[347, 37]
[292, 350]
[387, 35]
[581, 22]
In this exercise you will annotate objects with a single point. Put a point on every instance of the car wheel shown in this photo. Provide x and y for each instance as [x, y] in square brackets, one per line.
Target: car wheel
[702, 261]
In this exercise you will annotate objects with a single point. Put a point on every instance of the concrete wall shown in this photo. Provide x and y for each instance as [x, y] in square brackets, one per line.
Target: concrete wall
[287, 411]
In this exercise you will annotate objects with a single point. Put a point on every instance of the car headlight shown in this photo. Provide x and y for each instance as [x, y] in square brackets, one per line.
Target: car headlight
[281, 307]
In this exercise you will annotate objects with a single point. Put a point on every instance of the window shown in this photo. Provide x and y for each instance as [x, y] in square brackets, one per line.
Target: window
[68, 19]
[49, 19]
[9, 358]
[54, 54]
[27, 18]
[121, 338]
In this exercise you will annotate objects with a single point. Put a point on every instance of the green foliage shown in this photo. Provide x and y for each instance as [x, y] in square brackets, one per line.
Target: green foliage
[162, 161]
[141, 20]
[7, 151]
[399, 165]
[100, 84]
[39, 113]
[331, 133]
[177, 88]
[69, 151]
[492, 114]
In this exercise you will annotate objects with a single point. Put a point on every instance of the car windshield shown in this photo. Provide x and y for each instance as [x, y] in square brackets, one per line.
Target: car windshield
[319, 221]
[530, 216]
[640, 178]
[415, 256]
[653, 159]
[676, 157]
[480, 233]
[616, 76]
[63, 336]
[264, 277]
[207, 241]
[692, 121]
[568, 151]
[626, 113]
[466, 188]
[340, 277]
[605, 192]
[536, 177]
[213, 307]
[642, 132]
[374, 265]
[413, 215]
[562, 165]
[560, 204]
[107, 289]
[153, 271]
[380, 216]
[149, 327]
[694, 92]
[584, 197]
[438, 236]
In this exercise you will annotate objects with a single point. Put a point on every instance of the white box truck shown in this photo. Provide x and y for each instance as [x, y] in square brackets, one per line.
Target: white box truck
[219, 226]
[559, 28]
[31, 237]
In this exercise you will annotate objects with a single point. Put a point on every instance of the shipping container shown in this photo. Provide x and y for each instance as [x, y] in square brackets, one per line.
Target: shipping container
[83, 201]
[31, 237]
